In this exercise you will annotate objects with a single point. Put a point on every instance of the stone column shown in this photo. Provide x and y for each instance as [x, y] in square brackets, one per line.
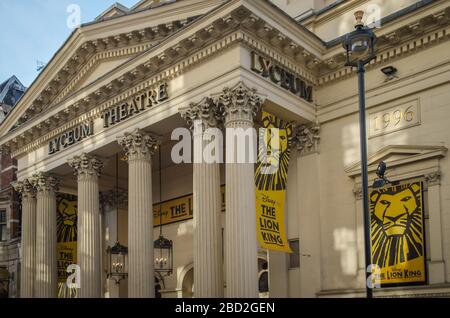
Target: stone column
[46, 280]
[87, 169]
[27, 273]
[208, 265]
[239, 106]
[436, 264]
[111, 201]
[139, 147]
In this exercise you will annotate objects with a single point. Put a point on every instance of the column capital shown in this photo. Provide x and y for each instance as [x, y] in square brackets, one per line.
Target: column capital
[138, 145]
[433, 178]
[306, 138]
[239, 105]
[205, 111]
[358, 192]
[25, 188]
[114, 198]
[43, 181]
[86, 165]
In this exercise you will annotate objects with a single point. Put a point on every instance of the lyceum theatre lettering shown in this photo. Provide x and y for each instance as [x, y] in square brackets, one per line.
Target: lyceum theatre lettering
[287, 80]
[134, 105]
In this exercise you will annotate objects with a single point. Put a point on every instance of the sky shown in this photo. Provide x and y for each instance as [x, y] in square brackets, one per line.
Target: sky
[33, 30]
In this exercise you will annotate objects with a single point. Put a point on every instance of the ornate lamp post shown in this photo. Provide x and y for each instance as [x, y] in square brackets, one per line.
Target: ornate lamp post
[360, 50]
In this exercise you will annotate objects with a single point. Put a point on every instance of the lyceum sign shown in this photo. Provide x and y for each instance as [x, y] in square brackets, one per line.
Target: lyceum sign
[278, 75]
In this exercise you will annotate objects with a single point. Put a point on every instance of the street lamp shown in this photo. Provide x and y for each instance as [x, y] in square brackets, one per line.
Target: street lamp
[360, 50]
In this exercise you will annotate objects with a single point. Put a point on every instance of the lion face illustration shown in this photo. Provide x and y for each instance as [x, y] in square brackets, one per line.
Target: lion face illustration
[397, 224]
[67, 220]
[273, 154]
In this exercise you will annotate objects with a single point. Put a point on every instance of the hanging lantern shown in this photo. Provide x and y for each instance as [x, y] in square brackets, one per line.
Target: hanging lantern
[118, 262]
[163, 255]
[118, 254]
[163, 248]
[360, 44]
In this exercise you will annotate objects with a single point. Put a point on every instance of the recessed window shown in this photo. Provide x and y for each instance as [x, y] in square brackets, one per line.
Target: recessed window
[294, 257]
[2, 225]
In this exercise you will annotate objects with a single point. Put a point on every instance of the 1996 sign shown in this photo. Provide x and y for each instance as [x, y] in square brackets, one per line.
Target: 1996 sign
[394, 119]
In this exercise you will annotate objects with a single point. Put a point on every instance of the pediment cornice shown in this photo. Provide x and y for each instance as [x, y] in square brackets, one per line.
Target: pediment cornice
[145, 26]
[397, 155]
[90, 53]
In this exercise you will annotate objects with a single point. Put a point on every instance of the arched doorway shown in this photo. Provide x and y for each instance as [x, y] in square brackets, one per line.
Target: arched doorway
[263, 277]
[4, 282]
[188, 284]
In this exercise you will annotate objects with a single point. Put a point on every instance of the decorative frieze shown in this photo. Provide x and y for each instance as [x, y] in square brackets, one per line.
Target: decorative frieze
[412, 37]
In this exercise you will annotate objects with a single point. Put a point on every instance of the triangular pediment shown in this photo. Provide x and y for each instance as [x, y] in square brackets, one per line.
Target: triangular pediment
[100, 47]
[97, 66]
[146, 4]
[99, 69]
[397, 155]
[116, 9]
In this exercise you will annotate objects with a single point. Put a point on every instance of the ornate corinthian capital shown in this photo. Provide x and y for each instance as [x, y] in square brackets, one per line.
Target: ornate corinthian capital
[86, 165]
[113, 198]
[239, 104]
[25, 188]
[43, 181]
[306, 138]
[205, 111]
[138, 145]
[433, 178]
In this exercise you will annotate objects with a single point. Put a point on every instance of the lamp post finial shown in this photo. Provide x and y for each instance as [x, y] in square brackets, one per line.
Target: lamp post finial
[359, 16]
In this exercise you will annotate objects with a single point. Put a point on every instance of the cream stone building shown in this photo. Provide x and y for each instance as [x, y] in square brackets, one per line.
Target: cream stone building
[125, 81]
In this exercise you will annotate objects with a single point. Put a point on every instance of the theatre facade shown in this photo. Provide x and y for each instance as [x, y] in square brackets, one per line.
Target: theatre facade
[93, 142]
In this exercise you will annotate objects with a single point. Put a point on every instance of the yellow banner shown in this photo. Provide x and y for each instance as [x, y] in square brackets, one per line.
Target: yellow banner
[271, 180]
[397, 233]
[176, 210]
[66, 220]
